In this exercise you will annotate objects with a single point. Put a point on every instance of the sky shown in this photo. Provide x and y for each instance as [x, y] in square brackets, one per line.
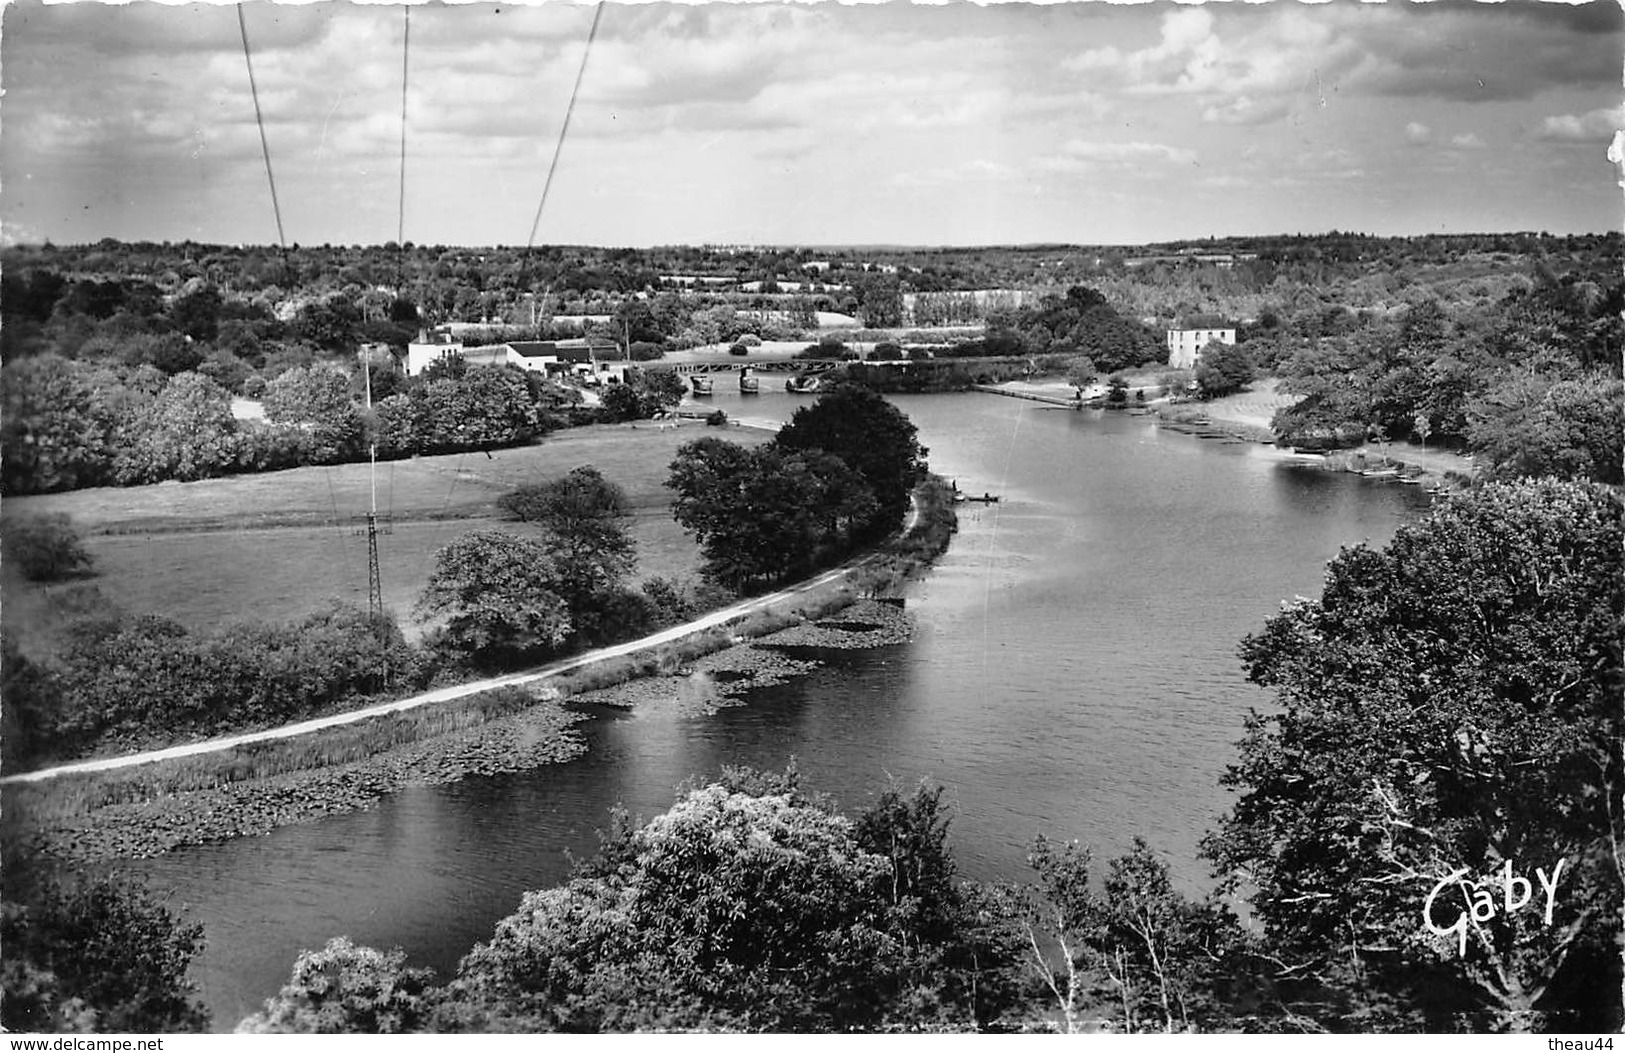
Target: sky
[807, 124]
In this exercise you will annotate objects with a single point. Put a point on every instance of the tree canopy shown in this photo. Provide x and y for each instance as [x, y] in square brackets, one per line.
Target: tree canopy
[767, 514]
[499, 592]
[96, 955]
[1450, 717]
[873, 437]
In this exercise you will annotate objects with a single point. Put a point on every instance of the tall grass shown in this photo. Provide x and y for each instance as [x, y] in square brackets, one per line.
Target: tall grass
[81, 793]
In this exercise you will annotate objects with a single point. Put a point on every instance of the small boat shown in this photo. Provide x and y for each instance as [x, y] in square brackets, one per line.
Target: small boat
[748, 385]
[701, 382]
[803, 382]
[1380, 473]
[985, 499]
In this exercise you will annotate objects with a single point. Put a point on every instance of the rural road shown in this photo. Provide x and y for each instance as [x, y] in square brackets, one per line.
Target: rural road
[447, 694]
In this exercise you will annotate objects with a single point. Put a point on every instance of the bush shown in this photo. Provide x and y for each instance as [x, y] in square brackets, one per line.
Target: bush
[46, 548]
[717, 419]
[102, 955]
[740, 349]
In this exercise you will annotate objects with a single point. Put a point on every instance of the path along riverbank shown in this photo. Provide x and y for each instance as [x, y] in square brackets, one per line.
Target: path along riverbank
[147, 804]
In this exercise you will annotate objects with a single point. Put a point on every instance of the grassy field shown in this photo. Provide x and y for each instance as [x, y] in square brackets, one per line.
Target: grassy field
[275, 546]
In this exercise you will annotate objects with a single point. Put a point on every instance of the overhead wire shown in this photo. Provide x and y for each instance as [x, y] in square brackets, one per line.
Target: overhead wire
[400, 220]
[564, 129]
[558, 149]
[265, 145]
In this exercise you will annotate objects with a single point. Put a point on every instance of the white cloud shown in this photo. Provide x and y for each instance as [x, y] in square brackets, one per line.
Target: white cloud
[1595, 124]
[1081, 155]
[1279, 54]
[1417, 133]
[1467, 141]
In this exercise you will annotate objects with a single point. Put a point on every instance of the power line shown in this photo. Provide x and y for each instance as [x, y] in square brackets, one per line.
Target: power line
[400, 225]
[564, 129]
[265, 146]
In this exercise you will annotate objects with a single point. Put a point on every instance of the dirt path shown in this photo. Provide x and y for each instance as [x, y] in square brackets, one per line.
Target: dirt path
[447, 694]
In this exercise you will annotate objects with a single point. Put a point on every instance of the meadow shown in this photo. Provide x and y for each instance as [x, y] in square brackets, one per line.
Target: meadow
[274, 546]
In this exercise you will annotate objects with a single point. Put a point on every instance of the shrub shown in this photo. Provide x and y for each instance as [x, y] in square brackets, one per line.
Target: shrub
[46, 548]
[740, 349]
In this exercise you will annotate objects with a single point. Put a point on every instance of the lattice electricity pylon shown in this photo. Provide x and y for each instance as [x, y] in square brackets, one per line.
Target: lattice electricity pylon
[376, 524]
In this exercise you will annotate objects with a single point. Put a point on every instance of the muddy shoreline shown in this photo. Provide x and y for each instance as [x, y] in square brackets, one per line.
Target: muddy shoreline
[544, 733]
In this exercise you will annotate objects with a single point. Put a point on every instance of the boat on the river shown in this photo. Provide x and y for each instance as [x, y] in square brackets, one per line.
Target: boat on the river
[803, 382]
[748, 385]
[701, 383]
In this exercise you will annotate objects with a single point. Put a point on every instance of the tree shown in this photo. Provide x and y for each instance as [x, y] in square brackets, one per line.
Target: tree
[1450, 720]
[873, 437]
[318, 398]
[1136, 953]
[767, 514]
[188, 434]
[99, 955]
[1532, 425]
[1222, 369]
[500, 593]
[586, 518]
[622, 402]
[1080, 374]
[749, 905]
[345, 989]
[46, 548]
[197, 313]
[54, 434]
[489, 406]
[661, 387]
[30, 726]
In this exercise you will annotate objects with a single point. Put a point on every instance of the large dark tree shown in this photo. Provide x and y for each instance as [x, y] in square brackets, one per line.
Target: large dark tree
[1450, 720]
[587, 520]
[499, 593]
[748, 906]
[873, 437]
[767, 514]
[101, 955]
[1223, 369]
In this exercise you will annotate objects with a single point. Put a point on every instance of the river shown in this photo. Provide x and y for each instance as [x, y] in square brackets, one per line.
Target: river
[1073, 672]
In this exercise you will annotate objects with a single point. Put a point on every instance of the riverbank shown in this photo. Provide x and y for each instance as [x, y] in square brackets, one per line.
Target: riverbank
[542, 732]
[100, 816]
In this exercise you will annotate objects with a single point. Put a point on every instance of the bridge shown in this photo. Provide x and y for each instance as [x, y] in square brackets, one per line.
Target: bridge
[783, 365]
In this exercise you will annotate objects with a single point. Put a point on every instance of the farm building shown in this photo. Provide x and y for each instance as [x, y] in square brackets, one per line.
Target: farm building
[580, 356]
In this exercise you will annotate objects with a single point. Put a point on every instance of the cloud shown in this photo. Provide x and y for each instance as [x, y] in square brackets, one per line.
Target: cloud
[1081, 155]
[1278, 53]
[1250, 66]
[1585, 127]
[1467, 141]
[1417, 133]
[976, 170]
[1245, 110]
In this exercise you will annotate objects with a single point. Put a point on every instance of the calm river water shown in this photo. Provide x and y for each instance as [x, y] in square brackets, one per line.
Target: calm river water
[1073, 672]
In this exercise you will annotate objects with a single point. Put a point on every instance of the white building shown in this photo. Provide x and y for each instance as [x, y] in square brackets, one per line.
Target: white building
[537, 356]
[1185, 345]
